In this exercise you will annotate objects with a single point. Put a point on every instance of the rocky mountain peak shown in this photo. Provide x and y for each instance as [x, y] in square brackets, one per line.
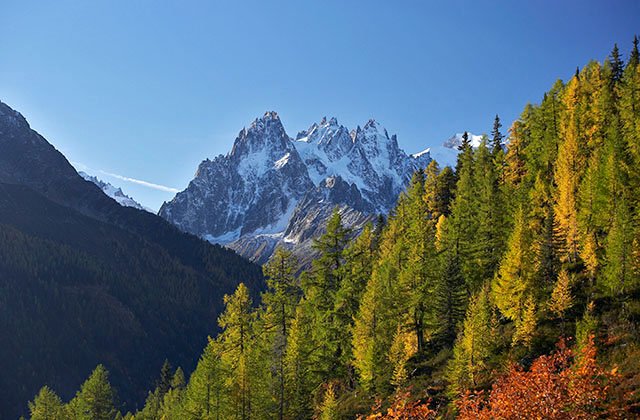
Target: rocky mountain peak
[266, 134]
[270, 184]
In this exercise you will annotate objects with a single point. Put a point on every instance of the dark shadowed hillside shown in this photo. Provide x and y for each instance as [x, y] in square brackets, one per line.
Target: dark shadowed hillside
[84, 280]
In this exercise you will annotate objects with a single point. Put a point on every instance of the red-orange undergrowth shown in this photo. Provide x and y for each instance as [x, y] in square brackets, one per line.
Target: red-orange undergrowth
[562, 385]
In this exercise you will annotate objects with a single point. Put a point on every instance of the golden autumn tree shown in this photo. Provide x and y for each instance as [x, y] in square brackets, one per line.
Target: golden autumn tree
[568, 169]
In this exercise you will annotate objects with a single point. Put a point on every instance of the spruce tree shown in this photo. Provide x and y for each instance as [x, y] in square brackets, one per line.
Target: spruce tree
[450, 295]
[496, 136]
[616, 65]
[464, 220]
[320, 288]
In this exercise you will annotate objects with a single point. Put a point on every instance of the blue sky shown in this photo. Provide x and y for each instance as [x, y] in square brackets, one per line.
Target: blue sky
[147, 89]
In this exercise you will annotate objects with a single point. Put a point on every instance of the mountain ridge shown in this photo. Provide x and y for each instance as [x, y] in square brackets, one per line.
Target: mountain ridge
[251, 194]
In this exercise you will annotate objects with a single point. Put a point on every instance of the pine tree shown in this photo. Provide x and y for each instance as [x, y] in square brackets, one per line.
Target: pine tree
[634, 57]
[446, 186]
[47, 406]
[95, 400]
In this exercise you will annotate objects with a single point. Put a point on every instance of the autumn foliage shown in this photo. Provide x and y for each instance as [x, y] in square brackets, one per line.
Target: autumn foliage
[562, 385]
[403, 408]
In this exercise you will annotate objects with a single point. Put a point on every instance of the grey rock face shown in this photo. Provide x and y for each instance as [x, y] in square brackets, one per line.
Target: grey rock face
[273, 190]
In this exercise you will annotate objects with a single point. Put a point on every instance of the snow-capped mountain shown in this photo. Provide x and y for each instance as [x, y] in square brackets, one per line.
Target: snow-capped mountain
[272, 189]
[114, 192]
[447, 153]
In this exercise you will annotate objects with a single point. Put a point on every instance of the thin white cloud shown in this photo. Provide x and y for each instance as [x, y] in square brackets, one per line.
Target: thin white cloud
[141, 182]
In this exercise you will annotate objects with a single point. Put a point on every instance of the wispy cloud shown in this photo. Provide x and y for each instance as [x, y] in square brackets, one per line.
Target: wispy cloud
[141, 182]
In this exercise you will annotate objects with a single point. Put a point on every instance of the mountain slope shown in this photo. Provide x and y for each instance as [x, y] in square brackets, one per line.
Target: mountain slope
[84, 280]
[114, 192]
[273, 190]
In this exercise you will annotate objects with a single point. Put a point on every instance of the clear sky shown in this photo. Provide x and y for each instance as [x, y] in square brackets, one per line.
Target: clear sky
[147, 89]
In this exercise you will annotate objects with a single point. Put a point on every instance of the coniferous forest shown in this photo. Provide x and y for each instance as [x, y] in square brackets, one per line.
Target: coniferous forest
[506, 287]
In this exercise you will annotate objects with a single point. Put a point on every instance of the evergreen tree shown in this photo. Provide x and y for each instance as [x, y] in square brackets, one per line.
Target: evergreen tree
[464, 220]
[634, 56]
[417, 279]
[359, 260]
[450, 295]
[543, 231]
[618, 275]
[445, 188]
[298, 364]
[47, 406]
[320, 288]
[166, 375]
[95, 400]
[488, 244]
[280, 302]
[496, 137]
[616, 64]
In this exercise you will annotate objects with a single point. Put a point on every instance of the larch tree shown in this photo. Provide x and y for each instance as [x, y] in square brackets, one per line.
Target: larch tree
[95, 400]
[512, 280]
[280, 300]
[47, 405]
[237, 332]
[469, 368]
[568, 171]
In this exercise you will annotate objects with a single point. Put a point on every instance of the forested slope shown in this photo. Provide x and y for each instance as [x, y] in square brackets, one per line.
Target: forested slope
[84, 280]
[508, 287]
